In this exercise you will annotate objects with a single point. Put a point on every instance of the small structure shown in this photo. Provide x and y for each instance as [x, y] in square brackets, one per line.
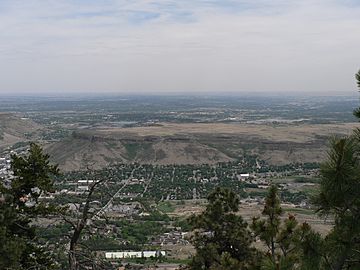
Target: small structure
[133, 254]
[84, 185]
[86, 182]
[244, 176]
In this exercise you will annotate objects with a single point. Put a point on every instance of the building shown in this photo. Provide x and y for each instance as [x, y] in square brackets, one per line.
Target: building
[84, 185]
[244, 176]
[133, 254]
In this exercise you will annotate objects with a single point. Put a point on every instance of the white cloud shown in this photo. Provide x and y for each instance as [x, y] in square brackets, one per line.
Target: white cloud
[122, 46]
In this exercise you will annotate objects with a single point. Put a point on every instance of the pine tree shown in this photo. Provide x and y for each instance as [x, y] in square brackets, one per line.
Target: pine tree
[357, 77]
[19, 205]
[221, 236]
[268, 229]
[287, 242]
[339, 198]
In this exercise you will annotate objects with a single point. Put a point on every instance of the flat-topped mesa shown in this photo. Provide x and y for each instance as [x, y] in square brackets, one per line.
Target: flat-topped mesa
[126, 137]
[171, 143]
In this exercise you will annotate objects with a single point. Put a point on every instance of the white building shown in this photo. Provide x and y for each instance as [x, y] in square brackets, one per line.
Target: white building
[84, 185]
[133, 254]
[244, 175]
[86, 181]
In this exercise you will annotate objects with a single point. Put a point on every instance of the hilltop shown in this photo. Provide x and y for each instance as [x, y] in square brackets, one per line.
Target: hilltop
[195, 143]
[14, 128]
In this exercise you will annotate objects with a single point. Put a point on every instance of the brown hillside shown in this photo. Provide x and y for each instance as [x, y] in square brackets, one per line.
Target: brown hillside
[194, 144]
[14, 129]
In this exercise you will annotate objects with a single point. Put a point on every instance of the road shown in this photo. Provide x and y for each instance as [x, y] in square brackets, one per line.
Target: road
[109, 203]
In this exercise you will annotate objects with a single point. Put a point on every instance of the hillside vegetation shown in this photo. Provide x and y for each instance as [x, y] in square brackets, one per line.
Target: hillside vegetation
[15, 129]
[194, 144]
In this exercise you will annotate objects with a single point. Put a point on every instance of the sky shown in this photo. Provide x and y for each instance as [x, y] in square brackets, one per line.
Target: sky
[179, 46]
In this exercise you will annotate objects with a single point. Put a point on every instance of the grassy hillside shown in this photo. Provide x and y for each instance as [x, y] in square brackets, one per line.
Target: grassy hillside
[15, 129]
[194, 144]
[75, 153]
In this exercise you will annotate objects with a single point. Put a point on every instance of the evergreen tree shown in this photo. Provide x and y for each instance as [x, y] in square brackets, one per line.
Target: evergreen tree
[357, 77]
[221, 237]
[288, 243]
[339, 198]
[268, 229]
[20, 205]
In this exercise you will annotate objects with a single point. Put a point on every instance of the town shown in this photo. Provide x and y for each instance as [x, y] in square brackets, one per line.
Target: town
[140, 210]
[149, 202]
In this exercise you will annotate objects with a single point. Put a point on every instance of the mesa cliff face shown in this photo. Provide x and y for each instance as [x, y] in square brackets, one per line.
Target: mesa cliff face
[85, 150]
[170, 143]
[193, 144]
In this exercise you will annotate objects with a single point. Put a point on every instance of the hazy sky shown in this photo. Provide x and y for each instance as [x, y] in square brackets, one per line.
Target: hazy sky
[60, 46]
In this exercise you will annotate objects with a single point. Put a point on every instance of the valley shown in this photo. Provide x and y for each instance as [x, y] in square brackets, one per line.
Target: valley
[159, 159]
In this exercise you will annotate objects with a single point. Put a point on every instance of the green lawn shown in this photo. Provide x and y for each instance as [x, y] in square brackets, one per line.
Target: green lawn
[165, 207]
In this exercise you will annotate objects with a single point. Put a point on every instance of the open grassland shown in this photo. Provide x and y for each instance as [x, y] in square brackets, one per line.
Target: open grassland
[14, 129]
[248, 211]
[293, 133]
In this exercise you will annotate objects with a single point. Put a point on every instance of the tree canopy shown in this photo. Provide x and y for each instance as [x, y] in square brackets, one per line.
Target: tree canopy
[221, 237]
[19, 205]
[339, 197]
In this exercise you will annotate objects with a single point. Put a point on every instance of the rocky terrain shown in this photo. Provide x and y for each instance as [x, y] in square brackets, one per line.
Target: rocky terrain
[194, 144]
[176, 143]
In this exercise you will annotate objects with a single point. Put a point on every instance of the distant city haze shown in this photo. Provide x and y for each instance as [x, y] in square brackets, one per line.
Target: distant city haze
[179, 46]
